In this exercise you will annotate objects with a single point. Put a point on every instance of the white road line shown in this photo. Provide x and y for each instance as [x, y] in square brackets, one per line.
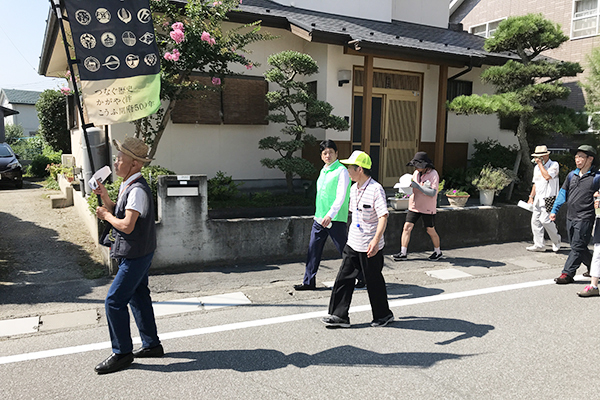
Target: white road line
[272, 321]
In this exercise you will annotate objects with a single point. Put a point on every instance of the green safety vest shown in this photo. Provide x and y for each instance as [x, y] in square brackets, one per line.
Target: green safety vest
[326, 192]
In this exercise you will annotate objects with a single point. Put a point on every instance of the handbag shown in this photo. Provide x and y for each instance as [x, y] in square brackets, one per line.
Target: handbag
[549, 203]
[107, 237]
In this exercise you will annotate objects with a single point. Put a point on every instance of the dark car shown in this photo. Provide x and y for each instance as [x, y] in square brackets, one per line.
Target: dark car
[10, 167]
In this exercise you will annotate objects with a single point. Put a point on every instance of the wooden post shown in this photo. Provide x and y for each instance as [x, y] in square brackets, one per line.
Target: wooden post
[440, 127]
[367, 104]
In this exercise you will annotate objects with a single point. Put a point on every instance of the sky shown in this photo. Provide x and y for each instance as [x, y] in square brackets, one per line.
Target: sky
[22, 27]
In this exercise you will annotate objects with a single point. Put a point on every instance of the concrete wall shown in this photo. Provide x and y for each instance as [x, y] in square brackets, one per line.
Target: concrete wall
[27, 118]
[188, 239]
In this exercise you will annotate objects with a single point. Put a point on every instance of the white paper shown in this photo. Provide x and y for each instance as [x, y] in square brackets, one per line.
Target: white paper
[100, 175]
[525, 205]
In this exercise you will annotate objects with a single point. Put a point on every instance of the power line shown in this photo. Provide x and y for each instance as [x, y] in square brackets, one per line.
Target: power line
[16, 48]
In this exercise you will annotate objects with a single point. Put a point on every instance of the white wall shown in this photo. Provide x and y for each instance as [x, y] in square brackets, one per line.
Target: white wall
[426, 12]
[27, 118]
[466, 128]
[350, 8]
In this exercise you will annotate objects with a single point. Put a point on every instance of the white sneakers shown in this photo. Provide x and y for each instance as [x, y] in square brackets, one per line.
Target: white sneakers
[556, 247]
[535, 248]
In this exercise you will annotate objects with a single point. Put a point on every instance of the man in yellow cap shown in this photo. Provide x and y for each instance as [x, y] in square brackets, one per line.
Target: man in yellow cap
[364, 249]
[133, 244]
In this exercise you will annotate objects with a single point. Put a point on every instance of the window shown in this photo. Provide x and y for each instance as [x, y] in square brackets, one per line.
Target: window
[459, 88]
[486, 30]
[240, 102]
[585, 18]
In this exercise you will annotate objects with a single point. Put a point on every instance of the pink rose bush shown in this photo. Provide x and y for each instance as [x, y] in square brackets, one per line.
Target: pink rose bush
[216, 81]
[206, 37]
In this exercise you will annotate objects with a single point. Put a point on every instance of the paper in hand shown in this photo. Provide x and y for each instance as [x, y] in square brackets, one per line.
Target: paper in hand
[101, 175]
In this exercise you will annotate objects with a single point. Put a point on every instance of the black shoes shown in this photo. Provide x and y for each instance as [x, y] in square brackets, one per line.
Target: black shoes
[360, 284]
[436, 256]
[114, 363]
[333, 321]
[564, 279]
[149, 352]
[305, 287]
[399, 257]
[382, 321]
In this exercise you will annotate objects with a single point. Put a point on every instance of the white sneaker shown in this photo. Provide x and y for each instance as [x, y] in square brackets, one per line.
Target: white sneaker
[535, 248]
[556, 247]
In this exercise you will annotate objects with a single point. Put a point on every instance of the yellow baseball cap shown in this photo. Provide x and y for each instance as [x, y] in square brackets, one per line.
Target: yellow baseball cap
[359, 158]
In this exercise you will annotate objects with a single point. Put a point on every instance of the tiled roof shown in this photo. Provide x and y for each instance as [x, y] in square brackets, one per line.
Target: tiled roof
[394, 38]
[21, 96]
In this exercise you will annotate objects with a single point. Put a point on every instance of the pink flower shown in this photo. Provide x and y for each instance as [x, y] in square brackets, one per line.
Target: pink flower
[177, 26]
[216, 81]
[249, 66]
[168, 56]
[205, 36]
[211, 41]
[65, 91]
[177, 35]
[176, 54]
[217, 3]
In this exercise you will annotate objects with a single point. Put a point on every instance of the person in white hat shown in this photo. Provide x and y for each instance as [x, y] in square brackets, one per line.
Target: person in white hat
[544, 190]
[364, 249]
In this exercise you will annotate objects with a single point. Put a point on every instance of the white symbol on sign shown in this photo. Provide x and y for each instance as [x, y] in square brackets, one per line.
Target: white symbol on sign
[132, 60]
[147, 38]
[83, 17]
[124, 15]
[144, 15]
[112, 62]
[128, 38]
[88, 41]
[92, 64]
[102, 15]
[150, 59]
[108, 39]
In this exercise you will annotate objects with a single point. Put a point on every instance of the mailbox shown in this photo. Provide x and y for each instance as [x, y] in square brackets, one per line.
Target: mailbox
[183, 186]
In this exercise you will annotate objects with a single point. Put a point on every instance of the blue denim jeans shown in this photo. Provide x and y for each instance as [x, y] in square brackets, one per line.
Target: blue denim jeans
[318, 237]
[580, 234]
[130, 286]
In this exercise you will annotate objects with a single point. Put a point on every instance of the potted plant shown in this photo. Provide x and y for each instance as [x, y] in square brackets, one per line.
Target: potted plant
[490, 182]
[457, 197]
[399, 201]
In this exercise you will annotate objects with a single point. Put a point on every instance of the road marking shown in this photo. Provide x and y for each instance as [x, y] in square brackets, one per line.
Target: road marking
[450, 273]
[272, 321]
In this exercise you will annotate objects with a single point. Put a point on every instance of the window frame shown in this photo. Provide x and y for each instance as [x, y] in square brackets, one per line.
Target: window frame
[595, 14]
[487, 27]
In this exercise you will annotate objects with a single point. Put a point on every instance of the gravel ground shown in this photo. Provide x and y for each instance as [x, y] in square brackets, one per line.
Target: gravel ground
[41, 245]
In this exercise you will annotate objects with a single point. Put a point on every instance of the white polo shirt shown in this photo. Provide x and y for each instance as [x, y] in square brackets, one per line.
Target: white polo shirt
[367, 205]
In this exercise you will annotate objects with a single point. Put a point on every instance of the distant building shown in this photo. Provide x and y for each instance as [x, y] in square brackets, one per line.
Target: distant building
[22, 101]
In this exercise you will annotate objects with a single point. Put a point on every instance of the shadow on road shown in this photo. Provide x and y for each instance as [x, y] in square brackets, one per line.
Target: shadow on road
[397, 291]
[433, 324]
[267, 359]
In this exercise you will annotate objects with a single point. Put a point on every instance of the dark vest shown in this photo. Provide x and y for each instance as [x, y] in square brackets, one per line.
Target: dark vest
[142, 240]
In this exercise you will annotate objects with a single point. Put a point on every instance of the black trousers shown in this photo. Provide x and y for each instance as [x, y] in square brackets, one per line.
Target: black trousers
[352, 263]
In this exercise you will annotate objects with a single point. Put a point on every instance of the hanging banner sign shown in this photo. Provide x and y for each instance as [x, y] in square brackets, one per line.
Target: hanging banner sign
[119, 64]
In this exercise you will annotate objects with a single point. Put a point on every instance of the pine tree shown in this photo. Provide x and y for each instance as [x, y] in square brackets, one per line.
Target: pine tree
[293, 105]
[526, 89]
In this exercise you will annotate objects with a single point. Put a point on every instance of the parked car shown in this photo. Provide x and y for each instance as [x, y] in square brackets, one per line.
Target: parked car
[10, 167]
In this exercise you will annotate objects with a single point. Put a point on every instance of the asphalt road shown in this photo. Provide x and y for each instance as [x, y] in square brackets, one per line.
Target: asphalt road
[505, 332]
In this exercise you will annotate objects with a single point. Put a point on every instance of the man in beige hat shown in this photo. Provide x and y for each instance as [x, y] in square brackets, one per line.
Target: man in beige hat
[544, 190]
[132, 242]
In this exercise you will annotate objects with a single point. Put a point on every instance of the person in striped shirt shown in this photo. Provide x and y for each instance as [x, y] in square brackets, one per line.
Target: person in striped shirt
[364, 248]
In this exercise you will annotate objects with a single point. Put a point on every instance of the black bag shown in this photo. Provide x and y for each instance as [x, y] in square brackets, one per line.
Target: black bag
[549, 203]
[107, 237]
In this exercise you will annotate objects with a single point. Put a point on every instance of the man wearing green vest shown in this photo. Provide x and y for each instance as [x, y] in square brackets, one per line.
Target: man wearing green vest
[331, 214]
